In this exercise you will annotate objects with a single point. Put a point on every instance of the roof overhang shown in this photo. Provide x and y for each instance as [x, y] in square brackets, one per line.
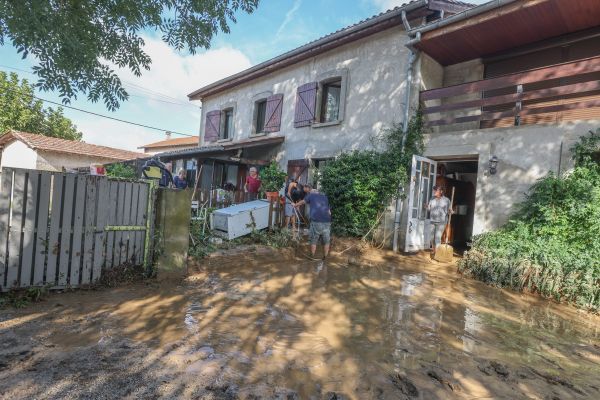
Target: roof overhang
[381, 22]
[501, 25]
[222, 148]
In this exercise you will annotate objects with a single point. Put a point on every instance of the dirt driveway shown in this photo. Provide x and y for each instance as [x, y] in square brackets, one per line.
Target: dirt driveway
[269, 327]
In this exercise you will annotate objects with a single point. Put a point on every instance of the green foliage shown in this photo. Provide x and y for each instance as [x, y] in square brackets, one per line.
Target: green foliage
[277, 238]
[551, 243]
[77, 44]
[360, 184]
[20, 298]
[272, 177]
[120, 170]
[21, 112]
[200, 246]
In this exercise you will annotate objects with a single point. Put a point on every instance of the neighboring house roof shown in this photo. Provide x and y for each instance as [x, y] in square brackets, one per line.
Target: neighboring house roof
[177, 142]
[47, 143]
[369, 26]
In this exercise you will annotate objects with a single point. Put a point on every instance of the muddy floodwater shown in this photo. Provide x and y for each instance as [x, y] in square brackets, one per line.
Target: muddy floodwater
[377, 326]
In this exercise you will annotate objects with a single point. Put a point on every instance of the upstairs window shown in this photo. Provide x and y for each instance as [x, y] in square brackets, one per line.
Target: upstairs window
[330, 100]
[227, 127]
[261, 112]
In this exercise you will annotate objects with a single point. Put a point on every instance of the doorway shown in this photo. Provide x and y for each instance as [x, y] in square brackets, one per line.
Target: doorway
[460, 174]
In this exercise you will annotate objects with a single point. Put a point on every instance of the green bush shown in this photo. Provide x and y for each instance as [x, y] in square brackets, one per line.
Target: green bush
[272, 177]
[121, 171]
[360, 184]
[551, 244]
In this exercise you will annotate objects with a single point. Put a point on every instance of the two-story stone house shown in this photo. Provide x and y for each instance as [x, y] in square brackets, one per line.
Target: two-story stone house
[506, 88]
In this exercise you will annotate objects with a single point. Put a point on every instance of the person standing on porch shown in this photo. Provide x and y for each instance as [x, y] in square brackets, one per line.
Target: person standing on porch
[252, 185]
[439, 209]
[179, 181]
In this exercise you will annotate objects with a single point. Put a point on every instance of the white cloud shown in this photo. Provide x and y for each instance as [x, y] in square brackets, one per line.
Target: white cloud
[177, 75]
[171, 73]
[288, 16]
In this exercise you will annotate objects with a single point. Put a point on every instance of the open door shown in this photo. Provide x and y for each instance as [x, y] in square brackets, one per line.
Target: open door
[422, 180]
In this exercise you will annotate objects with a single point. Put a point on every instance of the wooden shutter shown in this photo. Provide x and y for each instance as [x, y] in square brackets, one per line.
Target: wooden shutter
[273, 113]
[212, 126]
[306, 101]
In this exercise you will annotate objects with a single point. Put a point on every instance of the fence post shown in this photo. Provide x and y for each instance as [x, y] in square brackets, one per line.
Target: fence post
[518, 105]
[149, 240]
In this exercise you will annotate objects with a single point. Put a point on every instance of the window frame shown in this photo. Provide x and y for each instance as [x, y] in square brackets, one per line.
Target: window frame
[322, 80]
[256, 99]
[230, 134]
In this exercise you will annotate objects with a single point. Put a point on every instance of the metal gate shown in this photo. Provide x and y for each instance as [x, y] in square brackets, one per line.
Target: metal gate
[62, 230]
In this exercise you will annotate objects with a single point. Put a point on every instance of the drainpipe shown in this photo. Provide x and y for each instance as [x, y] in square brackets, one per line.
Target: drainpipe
[409, 75]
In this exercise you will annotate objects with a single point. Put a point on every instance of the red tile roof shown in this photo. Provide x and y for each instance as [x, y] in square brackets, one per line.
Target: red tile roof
[184, 141]
[47, 143]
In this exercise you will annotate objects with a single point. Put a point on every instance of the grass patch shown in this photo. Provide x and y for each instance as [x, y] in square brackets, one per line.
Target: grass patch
[19, 298]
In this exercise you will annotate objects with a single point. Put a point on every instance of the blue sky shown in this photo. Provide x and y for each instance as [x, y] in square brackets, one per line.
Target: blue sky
[277, 26]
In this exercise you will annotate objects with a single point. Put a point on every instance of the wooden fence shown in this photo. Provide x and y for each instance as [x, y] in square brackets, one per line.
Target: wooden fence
[62, 230]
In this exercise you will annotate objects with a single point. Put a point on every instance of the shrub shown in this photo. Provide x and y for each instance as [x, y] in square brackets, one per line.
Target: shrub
[360, 184]
[272, 178]
[551, 244]
[121, 171]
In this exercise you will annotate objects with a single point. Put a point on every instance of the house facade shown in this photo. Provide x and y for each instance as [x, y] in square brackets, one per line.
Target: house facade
[506, 88]
[33, 151]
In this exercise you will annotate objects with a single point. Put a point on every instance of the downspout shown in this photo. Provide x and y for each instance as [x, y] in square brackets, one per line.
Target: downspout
[409, 75]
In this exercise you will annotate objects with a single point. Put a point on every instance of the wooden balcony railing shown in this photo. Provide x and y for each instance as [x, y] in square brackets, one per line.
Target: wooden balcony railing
[563, 91]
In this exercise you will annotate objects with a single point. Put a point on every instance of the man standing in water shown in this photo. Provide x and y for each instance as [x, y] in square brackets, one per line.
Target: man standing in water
[252, 185]
[320, 219]
[439, 208]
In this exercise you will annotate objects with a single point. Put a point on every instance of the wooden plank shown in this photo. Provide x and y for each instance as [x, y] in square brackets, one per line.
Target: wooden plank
[125, 221]
[118, 248]
[530, 76]
[135, 192]
[88, 233]
[560, 107]
[103, 207]
[15, 231]
[42, 231]
[53, 238]
[78, 226]
[485, 116]
[31, 207]
[112, 216]
[141, 220]
[66, 232]
[5, 198]
[579, 88]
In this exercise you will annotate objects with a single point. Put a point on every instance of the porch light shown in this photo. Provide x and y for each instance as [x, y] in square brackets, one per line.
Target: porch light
[493, 165]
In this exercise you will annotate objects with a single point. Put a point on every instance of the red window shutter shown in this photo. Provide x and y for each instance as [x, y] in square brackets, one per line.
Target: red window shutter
[212, 126]
[306, 101]
[273, 113]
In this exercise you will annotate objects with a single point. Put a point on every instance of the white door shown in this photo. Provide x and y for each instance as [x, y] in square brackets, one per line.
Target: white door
[418, 227]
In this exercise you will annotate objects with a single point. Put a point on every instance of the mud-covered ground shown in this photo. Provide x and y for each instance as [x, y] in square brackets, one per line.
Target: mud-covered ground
[374, 326]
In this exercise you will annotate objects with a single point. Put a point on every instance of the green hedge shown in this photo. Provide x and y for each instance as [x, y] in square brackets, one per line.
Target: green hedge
[552, 243]
[360, 184]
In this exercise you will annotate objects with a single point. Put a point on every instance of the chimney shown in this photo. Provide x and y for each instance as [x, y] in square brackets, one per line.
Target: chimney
[167, 135]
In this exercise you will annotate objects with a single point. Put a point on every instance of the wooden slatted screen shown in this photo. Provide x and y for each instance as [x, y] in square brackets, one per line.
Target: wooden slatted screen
[58, 230]
[306, 101]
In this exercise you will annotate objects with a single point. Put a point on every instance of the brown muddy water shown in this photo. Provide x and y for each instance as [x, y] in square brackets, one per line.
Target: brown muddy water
[378, 327]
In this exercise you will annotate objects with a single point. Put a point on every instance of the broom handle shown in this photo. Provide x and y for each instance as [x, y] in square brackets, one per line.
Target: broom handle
[450, 216]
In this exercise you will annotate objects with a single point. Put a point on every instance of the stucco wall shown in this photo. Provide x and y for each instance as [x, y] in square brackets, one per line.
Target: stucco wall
[525, 154]
[376, 69]
[18, 155]
[50, 161]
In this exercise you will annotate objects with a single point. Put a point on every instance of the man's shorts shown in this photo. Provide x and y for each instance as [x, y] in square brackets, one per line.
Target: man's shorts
[322, 230]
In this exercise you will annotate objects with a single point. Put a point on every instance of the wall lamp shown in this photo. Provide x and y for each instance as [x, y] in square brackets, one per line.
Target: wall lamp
[493, 165]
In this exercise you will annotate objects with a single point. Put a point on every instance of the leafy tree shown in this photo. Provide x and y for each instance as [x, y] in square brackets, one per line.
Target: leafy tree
[20, 111]
[76, 42]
